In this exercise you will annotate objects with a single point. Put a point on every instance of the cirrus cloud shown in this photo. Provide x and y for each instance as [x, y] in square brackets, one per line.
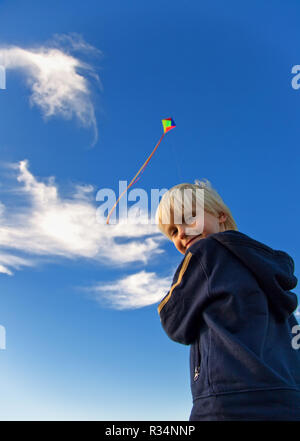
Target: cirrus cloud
[60, 83]
[48, 224]
[133, 291]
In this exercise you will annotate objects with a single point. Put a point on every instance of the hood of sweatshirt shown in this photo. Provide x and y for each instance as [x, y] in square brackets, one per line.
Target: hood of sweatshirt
[273, 269]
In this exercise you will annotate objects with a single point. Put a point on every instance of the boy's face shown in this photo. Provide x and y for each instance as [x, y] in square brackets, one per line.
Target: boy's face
[184, 235]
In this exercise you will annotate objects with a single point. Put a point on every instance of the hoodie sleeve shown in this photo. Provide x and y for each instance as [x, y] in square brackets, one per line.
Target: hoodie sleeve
[180, 310]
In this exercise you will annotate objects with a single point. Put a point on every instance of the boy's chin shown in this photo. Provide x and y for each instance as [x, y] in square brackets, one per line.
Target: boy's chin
[194, 240]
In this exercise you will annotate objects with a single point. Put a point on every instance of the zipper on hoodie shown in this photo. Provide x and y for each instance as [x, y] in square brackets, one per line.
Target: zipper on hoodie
[197, 364]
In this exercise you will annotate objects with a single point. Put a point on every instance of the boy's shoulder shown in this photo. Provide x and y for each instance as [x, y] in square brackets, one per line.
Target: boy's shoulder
[233, 246]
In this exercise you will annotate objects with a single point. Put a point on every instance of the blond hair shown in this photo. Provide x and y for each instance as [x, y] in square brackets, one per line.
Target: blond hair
[209, 200]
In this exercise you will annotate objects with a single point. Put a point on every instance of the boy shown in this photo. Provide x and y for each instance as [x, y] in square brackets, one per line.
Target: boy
[230, 300]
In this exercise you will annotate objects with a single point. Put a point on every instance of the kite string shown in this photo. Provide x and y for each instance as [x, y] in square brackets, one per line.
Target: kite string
[139, 177]
[134, 178]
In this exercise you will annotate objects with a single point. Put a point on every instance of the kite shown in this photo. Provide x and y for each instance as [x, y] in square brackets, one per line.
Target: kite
[168, 124]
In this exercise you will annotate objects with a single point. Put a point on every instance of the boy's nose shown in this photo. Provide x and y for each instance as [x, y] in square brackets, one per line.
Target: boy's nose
[181, 232]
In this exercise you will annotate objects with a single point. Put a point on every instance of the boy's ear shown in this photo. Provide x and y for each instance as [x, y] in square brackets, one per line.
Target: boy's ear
[223, 217]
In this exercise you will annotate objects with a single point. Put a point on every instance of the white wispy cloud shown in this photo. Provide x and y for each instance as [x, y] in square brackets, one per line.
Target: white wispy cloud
[8, 261]
[47, 224]
[60, 83]
[133, 291]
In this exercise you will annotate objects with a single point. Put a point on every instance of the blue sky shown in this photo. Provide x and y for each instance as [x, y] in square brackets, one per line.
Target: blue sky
[87, 84]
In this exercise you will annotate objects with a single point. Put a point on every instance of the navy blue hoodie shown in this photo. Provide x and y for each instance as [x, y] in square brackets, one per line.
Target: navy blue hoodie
[230, 300]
